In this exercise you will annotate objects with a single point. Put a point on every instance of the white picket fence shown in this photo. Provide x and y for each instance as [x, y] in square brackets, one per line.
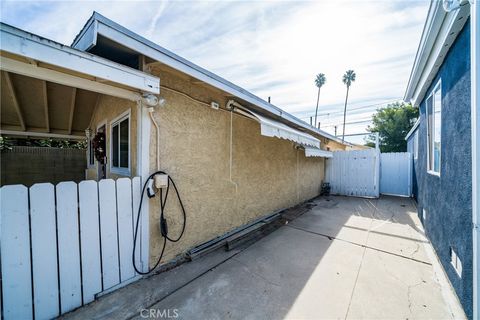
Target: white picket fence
[354, 173]
[62, 245]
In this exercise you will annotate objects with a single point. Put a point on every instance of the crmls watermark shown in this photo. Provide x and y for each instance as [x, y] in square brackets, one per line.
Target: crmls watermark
[159, 313]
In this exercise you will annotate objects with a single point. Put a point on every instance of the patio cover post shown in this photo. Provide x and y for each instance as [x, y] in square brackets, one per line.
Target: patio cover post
[143, 154]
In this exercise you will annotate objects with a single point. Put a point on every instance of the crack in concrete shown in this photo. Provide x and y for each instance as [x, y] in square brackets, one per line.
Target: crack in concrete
[255, 273]
[361, 261]
[415, 251]
[302, 228]
[409, 294]
[408, 286]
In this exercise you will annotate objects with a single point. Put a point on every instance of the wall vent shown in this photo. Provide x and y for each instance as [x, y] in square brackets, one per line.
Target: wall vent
[456, 262]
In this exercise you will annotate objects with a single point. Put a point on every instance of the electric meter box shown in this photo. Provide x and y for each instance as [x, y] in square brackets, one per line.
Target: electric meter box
[161, 181]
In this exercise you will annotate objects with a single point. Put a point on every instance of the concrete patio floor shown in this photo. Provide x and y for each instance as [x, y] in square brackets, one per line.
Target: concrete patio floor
[347, 258]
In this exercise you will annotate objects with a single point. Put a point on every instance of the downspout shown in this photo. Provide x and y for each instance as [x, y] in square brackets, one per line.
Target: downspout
[475, 115]
[157, 132]
[231, 106]
[146, 107]
[298, 177]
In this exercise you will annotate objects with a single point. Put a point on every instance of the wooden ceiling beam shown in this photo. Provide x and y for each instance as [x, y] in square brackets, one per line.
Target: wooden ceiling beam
[16, 105]
[72, 109]
[45, 105]
[97, 102]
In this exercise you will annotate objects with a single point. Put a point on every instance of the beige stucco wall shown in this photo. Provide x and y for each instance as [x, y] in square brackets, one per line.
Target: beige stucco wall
[332, 145]
[268, 174]
[264, 174]
[107, 110]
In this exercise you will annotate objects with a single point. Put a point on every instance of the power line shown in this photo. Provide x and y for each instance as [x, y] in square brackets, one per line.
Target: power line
[341, 111]
[341, 123]
[353, 109]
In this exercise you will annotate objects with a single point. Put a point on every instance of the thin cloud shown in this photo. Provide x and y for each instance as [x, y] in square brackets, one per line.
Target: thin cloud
[272, 48]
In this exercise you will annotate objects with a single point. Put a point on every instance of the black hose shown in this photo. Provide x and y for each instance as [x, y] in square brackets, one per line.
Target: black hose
[163, 221]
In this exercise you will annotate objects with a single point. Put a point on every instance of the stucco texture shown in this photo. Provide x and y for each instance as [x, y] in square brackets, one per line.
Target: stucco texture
[447, 199]
[331, 145]
[267, 174]
[107, 110]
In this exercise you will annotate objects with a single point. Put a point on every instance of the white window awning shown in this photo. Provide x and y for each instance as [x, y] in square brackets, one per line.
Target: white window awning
[314, 152]
[272, 128]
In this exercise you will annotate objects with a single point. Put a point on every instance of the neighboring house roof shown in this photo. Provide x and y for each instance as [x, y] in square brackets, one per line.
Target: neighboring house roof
[37, 49]
[100, 25]
[440, 31]
[415, 126]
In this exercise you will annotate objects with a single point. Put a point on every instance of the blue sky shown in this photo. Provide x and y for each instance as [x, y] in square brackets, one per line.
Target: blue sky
[271, 48]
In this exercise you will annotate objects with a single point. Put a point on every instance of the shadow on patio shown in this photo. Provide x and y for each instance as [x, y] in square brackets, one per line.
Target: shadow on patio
[344, 258]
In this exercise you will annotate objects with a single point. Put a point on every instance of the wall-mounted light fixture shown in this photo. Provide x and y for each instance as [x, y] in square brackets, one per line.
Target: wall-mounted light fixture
[88, 133]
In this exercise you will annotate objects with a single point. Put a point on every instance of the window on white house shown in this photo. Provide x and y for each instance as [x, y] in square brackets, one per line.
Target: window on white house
[434, 128]
[120, 145]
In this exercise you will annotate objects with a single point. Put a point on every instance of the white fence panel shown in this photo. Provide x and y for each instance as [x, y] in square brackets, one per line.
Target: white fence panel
[16, 265]
[64, 245]
[125, 228]
[136, 193]
[354, 173]
[109, 239]
[68, 246]
[44, 251]
[396, 173]
[89, 240]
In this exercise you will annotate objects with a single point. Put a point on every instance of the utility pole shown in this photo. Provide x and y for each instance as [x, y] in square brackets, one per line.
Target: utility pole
[311, 121]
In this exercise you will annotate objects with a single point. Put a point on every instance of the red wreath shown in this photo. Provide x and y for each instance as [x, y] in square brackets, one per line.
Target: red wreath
[98, 144]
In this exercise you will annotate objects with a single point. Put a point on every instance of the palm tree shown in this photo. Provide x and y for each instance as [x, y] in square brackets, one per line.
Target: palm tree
[319, 82]
[347, 79]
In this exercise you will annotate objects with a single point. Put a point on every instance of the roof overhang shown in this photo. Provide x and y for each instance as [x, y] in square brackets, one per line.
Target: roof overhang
[440, 31]
[415, 126]
[100, 25]
[30, 55]
[51, 90]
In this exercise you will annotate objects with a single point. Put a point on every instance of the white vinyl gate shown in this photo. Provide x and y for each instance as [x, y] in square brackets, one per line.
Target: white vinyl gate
[396, 173]
[62, 245]
[354, 173]
[369, 173]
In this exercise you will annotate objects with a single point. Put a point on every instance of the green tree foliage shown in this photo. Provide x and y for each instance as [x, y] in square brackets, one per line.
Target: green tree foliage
[392, 123]
[6, 143]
